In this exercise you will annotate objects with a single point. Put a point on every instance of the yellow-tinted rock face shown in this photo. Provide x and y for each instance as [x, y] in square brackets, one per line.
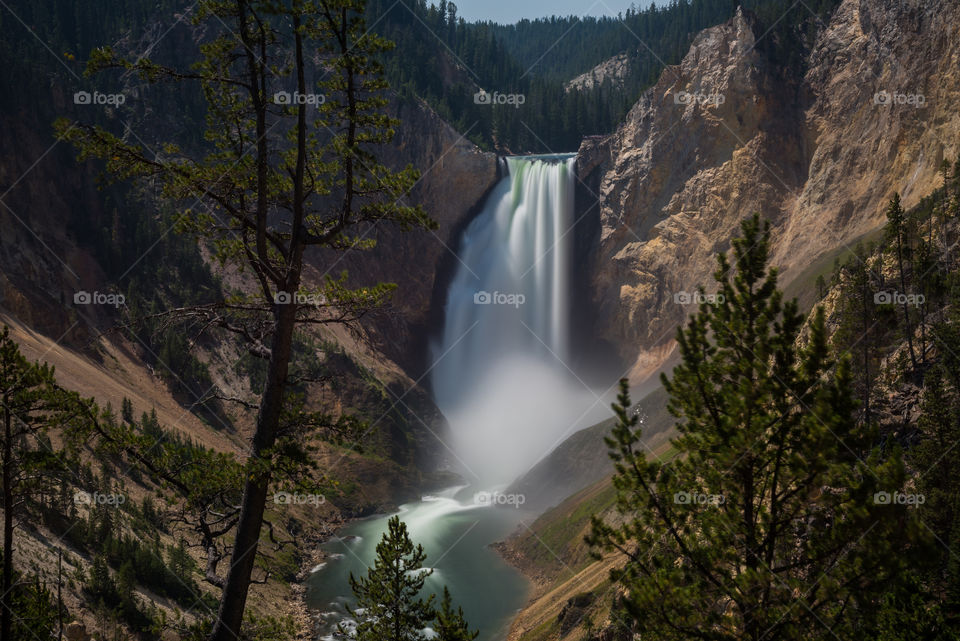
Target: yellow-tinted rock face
[725, 134]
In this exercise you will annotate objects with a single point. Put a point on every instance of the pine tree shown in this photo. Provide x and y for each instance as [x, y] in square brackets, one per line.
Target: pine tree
[897, 232]
[906, 614]
[101, 585]
[938, 480]
[265, 204]
[451, 626]
[821, 287]
[30, 403]
[126, 410]
[858, 326]
[35, 609]
[389, 607]
[771, 522]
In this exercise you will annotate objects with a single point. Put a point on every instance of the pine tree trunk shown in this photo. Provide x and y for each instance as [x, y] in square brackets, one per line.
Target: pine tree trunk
[906, 310]
[6, 619]
[234, 598]
[750, 627]
[866, 351]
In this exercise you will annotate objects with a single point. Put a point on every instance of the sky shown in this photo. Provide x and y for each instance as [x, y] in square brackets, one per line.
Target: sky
[509, 11]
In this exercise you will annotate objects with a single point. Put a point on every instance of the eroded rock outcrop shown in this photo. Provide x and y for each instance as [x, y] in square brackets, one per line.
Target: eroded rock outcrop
[726, 133]
[613, 70]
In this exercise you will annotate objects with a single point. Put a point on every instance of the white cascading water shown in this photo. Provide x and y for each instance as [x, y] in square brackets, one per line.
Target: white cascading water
[501, 372]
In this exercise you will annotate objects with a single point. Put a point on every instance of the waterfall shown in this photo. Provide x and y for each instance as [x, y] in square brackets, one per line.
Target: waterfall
[502, 373]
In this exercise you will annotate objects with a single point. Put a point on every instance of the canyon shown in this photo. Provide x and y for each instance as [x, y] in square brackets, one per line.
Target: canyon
[817, 149]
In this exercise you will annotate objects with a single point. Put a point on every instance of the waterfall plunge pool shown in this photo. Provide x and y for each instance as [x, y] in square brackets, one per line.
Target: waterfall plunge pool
[456, 533]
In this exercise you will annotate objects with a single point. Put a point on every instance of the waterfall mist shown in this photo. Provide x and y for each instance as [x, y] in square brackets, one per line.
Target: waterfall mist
[502, 374]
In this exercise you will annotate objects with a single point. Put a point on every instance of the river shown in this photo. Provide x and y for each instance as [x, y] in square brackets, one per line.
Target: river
[456, 533]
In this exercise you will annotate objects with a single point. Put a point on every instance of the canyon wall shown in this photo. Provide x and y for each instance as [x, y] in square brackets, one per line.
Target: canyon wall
[727, 133]
[455, 176]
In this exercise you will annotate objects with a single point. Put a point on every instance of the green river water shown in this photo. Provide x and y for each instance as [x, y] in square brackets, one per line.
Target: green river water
[456, 534]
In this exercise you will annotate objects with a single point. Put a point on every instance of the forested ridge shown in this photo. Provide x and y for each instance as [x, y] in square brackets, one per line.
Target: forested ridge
[445, 60]
[440, 57]
[811, 491]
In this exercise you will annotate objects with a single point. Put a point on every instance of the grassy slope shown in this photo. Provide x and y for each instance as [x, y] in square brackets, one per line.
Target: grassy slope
[803, 286]
[571, 586]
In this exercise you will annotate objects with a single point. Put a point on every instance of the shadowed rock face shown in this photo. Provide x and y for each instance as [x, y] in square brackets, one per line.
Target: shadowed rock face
[53, 214]
[726, 133]
[455, 177]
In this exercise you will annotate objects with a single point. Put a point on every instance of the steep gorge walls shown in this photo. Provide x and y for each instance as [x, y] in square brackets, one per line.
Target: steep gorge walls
[726, 133]
[455, 178]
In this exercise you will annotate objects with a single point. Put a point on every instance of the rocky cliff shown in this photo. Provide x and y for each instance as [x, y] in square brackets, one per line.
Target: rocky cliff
[612, 70]
[455, 177]
[727, 133]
